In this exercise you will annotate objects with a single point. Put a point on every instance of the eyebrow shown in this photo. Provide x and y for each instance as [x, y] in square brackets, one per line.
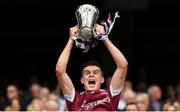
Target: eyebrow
[96, 70]
[85, 71]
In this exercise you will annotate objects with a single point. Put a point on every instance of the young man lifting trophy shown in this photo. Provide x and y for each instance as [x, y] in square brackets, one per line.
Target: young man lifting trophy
[93, 98]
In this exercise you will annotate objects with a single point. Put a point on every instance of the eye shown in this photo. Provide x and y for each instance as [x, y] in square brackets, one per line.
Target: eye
[86, 72]
[96, 72]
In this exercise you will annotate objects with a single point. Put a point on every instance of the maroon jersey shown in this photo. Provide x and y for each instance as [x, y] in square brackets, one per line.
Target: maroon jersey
[100, 100]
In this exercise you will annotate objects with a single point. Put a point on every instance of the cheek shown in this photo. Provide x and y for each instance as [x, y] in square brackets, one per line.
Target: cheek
[100, 80]
[83, 79]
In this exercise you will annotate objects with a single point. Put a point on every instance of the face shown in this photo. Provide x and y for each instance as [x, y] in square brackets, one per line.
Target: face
[142, 106]
[53, 97]
[35, 90]
[131, 108]
[171, 92]
[156, 93]
[44, 92]
[12, 92]
[52, 106]
[92, 78]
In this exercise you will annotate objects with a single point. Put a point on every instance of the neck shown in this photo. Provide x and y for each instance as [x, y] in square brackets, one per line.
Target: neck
[91, 90]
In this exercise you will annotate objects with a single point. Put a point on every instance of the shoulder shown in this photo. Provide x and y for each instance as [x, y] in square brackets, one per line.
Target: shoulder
[112, 91]
[71, 97]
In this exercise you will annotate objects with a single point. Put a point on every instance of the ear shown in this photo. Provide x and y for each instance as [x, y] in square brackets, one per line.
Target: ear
[82, 82]
[102, 80]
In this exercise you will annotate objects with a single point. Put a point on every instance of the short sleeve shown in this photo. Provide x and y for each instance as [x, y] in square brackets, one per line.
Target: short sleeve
[70, 98]
[114, 92]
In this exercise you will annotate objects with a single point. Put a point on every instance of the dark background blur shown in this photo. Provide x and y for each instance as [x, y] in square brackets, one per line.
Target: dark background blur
[33, 33]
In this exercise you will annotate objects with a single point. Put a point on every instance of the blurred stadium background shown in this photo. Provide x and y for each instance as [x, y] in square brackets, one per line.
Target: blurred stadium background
[34, 32]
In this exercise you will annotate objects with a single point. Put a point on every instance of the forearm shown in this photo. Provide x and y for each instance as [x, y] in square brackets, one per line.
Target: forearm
[117, 56]
[119, 75]
[64, 57]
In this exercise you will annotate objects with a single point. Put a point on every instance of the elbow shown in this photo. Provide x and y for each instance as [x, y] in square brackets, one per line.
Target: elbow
[60, 70]
[124, 65]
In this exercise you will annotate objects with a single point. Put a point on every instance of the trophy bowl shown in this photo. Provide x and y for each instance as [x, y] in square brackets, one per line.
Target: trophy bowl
[86, 16]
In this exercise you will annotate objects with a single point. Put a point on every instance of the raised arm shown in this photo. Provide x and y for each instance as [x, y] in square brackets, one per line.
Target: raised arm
[65, 82]
[119, 75]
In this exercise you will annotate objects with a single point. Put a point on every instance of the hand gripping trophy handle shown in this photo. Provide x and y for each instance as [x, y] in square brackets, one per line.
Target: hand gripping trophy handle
[87, 16]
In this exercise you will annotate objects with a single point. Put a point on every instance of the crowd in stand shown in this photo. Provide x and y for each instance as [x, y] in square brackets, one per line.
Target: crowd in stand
[41, 98]
[149, 99]
[38, 98]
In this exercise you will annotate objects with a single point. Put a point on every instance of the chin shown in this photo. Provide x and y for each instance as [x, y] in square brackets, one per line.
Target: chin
[92, 89]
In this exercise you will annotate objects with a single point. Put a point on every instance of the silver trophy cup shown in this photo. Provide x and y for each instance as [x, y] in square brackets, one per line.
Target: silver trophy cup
[86, 16]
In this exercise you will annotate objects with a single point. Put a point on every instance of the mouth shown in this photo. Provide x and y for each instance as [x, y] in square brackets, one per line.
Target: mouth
[91, 82]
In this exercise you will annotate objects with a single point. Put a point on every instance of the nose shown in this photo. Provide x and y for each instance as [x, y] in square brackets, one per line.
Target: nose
[91, 75]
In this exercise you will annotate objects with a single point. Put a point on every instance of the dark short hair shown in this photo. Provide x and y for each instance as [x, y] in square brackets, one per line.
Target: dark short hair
[92, 63]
